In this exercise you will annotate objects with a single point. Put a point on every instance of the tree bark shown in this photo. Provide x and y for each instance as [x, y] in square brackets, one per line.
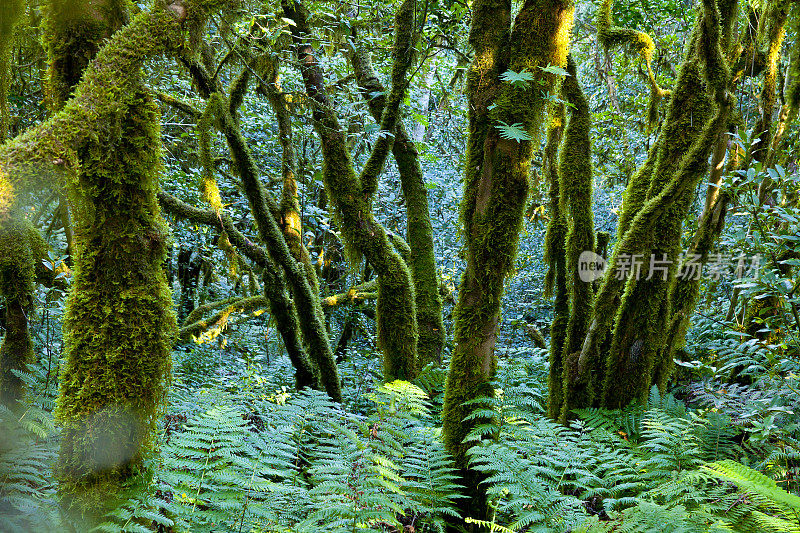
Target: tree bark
[495, 193]
[421, 260]
[352, 195]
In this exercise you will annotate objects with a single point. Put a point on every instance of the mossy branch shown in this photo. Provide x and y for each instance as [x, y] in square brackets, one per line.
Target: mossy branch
[638, 42]
[44, 155]
[265, 209]
[281, 306]
[356, 295]
[402, 56]
[180, 105]
[197, 328]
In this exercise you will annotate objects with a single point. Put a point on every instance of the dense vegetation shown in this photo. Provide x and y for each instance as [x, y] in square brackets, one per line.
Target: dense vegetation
[331, 266]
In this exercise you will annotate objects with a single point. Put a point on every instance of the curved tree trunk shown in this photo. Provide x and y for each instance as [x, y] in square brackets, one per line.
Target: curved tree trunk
[421, 260]
[657, 200]
[119, 324]
[352, 195]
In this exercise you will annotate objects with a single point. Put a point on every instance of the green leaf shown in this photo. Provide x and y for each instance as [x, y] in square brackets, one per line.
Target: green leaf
[514, 131]
[554, 69]
[522, 79]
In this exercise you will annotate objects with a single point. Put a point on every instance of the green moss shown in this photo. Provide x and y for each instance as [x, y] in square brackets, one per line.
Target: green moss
[44, 156]
[281, 306]
[420, 259]
[638, 42]
[119, 326]
[351, 194]
[555, 256]
[10, 12]
[496, 187]
[290, 218]
[575, 172]
[263, 206]
[18, 243]
[772, 32]
[792, 88]
[642, 318]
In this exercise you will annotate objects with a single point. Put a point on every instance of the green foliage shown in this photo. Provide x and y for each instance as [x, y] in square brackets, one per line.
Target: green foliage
[513, 132]
[635, 469]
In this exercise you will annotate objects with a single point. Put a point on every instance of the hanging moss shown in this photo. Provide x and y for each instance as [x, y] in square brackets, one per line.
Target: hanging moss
[575, 173]
[208, 183]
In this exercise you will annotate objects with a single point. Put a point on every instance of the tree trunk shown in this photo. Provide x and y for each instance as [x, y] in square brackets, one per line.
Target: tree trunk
[10, 12]
[495, 193]
[352, 195]
[421, 260]
[119, 325]
[21, 247]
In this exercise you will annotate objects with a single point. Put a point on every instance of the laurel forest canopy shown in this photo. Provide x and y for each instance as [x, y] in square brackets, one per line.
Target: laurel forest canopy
[399, 266]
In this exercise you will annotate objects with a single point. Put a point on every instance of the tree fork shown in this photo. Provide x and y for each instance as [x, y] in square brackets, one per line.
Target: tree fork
[281, 306]
[495, 193]
[420, 233]
[352, 194]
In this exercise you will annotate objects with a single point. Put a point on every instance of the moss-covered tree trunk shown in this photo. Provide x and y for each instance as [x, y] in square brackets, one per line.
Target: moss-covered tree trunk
[555, 256]
[352, 194]
[10, 12]
[311, 319]
[495, 192]
[421, 260]
[575, 173]
[119, 324]
[21, 247]
[634, 308]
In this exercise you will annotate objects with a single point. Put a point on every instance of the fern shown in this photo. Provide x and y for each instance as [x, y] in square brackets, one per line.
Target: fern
[512, 131]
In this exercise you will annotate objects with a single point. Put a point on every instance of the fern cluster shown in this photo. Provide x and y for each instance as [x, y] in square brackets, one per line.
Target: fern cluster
[298, 462]
[646, 468]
